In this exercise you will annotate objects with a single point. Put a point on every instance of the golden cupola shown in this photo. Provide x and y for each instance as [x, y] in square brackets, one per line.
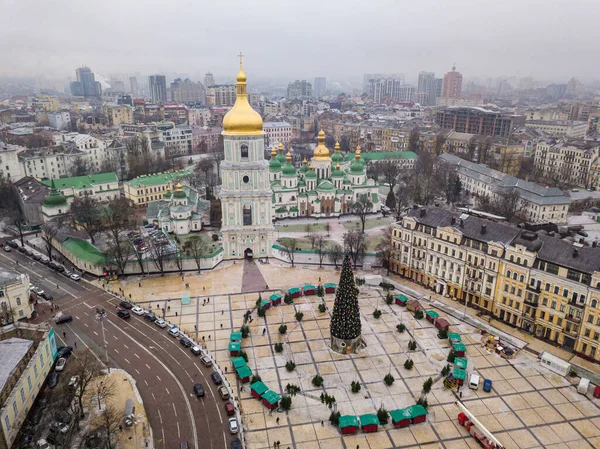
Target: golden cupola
[321, 152]
[241, 118]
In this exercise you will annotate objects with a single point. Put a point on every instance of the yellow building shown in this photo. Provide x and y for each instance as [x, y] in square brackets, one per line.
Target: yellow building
[147, 188]
[45, 103]
[118, 114]
[27, 354]
[14, 297]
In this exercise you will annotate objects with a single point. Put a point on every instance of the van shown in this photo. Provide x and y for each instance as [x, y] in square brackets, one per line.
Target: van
[582, 388]
[474, 382]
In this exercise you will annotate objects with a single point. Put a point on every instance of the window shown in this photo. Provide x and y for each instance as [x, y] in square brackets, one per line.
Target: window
[247, 215]
[35, 370]
[565, 293]
[594, 303]
[522, 278]
[18, 301]
[508, 273]
[7, 422]
[556, 289]
[246, 179]
[29, 383]
[553, 305]
[22, 395]
[562, 307]
[244, 150]
[590, 318]
[15, 409]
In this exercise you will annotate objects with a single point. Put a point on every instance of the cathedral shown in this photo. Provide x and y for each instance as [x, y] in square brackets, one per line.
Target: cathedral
[247, 229]
[321, 188]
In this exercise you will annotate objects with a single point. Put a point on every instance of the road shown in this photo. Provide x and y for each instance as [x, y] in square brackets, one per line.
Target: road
[164, 370]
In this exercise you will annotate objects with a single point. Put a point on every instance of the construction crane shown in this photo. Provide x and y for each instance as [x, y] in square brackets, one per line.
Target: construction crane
[476, 429]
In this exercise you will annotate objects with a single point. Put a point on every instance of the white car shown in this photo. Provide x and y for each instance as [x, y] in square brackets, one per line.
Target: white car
[60, 364]
[74, 381]
[75, 277]
[161, 323]
[138, 310]
[173, 332]
[233, 425]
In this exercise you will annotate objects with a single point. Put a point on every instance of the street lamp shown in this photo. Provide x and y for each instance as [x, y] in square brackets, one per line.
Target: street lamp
[101, 315]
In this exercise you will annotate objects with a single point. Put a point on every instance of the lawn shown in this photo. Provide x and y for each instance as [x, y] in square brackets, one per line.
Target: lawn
[206, 236]
[314, 227]
[372, 241]
[369, 224]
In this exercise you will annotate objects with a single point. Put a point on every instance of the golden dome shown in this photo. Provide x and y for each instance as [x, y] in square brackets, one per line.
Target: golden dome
[288, 156]
[321, 152]
[179, 187]
[241, 118]
[273, 152]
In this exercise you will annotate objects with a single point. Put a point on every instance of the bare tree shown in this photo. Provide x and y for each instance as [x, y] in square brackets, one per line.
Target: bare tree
[85, 367]
[110, 419]
[85, 214]
[414, 140]
[440, 141]
[217, 153]
[288, 247]
[196, 247]
[159, 254]
[336, 253]
[138, 255]
[80, 167]
[384, 248]
[506, 204]
[328, 228]
[20, 223]
[308, 230]
[313, 237]
[355, 246]
[362, 208]
[389, 172]
[117, 219]
[320, 247]
[202, 172]
[49, 232]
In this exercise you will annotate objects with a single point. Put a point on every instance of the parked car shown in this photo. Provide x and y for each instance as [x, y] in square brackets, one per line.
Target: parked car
[60, 364]
[233, 426]
[138, 310]
[12, 244]
[126, 305]
[37, 256]
[46, 296]
[53, 265]
[74, 381]
[161, 323]
[236, 443]
[229, 409]
[196, 350]
[67, 273]
[487, 385]
[216, 378]
[21, 249]
[28, 252]
[186, 342]
[198, 390]
[75, 277]
[173, 332]
[123, 314]
[63, 319]
[7, 248]
[53, 379]
[57, 427]
[64, 351]
[150, 316]
[223, 392]
[206, 361]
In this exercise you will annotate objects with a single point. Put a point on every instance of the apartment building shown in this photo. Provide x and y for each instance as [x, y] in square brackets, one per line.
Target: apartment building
[568, 161]
[539, 283]
[9, 161]
[14, 297]
[27, 353]
[221, 95]
[277, 132]
[477, 120]
[52, 162]
[567, 128]
[145, 189]
[537, 203]
[405, 160]
[60, 120]
[199, 117]
[177, 113]
[117, 114]
[178, 140]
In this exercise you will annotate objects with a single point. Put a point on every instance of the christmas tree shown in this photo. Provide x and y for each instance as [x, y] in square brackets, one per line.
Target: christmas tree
[345, 321]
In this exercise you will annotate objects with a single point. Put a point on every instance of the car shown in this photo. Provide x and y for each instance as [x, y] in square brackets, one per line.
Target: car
[43, 444]
[64, 318]
[126, 305]
[123, 314]
[60, 268]
[185, 342]
[161, 323]
[21, 249]
[7, 248]
[138, 241]
[206, 361]
[12, 244]
[487, 385]
[60, 364]
[216, 378]
[63, 416]
[173, 332]
[74, 381]
[57, 427]
[46, 296]
[53, 265]
[236, 443]
[44, 260]
[28, 252]
[37, 256]
[198, 390]
[53, 379]
[233, 426]
[229, 409]
[64, 351]
[67, 273]
[223, 392]
[150, 316]
[75, 277]
[138, 310]
[196, 350]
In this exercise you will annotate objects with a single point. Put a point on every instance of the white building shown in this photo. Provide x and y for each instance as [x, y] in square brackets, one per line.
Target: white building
[247, 227]
[199, 117]
[568, 161]
[277, 132]
[567, 128]
[180, 212]
[178, 141]
[9, 161]
[60, 120]
[48, 162]
[14, 297]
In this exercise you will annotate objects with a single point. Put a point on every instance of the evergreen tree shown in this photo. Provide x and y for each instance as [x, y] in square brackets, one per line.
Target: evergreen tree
[345, 321]
[390, 201]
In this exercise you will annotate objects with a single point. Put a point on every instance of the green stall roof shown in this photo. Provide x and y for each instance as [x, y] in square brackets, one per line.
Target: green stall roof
[259, 387]
[238, 362]
[459, 374]
[235, 336]
[310, 287]
[460, 362]
[348, 421]
[400, 414]
[453, 336]
[330, 285]
[432, 313]
[265, 302]
[275, 297]
[369, 418]
[416, 410]
[293, 290]
[459, 347]
[234, 346]
[244, 371]
[402, 298]
[271, 397]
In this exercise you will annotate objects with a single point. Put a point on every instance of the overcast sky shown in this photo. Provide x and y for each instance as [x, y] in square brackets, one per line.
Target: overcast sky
[548, 39]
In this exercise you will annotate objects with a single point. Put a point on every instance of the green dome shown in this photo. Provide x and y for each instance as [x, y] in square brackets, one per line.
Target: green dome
[347, 181]
[289, 170]
[274, 164]
[301, 183]
[304, 167]
[54, 198]
[280, 155]
[356, 168]
[337, 173]
[311, 175]
[179, 193]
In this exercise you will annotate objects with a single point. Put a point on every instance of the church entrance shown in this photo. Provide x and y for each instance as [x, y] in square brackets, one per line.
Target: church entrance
[248, 253]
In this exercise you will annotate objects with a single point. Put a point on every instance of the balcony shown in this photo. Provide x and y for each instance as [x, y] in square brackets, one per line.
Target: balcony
[534, 289]
[575, 304]
[531, 302]
[573, 319]
[572, 331]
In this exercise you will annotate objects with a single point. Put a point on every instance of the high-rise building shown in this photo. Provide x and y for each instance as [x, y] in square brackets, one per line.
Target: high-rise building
[187, 91]
[133, 84]
[477, 120]
[220, 95]
[427, 84]
[452, 84]
[299, 89]
[320, 86]
[209, 80]
[158, 88]
[86, 84]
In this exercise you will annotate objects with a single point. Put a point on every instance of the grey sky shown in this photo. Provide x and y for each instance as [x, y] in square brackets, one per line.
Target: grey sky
[549, 39]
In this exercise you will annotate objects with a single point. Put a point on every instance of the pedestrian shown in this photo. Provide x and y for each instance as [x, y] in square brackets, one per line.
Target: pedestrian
[203, 289]
[139, 284]
[203, 338]
[75, 345]
[120, 427]
[322, 424]
[264, 331]
[195, 327]
[209, 336]
[116, 306]
[277, 420]
[222, 312]
[57, 307]
[208, 301]
[64, 335]
[221, 325]
[169, 308]
[278, 443]
[175, 313]
[460, 394]
[319, 280]
[225, 370]
[204, 302]
[275, 444]
[129, 295]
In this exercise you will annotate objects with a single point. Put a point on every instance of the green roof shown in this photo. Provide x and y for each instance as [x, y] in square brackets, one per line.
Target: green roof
[293, 209]
[400, 414]
[368, 419]
[244, 371]
[234, 346]
[459, 347]
[157, 179]
[325, 186]
[54, 198]
[235, 336]
[265, 302]
[330, 285]
[293, 290]
[310, 174]
[453, 336]
[387, 155]
[309, 287]
[348, 421]
[356, 168]
[402, 298]
[238, 362]
[416, 410]
[82, 182]
[432, 314]
[289, 169]
[280, 210]
[84, 250]
[259, 387]
[275, 297]
[459, 373]
[271, 397]
[460, 362]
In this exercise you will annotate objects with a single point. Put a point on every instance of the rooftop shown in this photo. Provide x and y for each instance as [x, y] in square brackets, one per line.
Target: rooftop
[82, 182]
[157, 179]
[10, 277]
[12, 351]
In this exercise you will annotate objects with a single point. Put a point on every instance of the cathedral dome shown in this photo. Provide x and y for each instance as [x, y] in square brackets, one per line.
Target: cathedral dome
[310, 174]
[304, 167]
[179, 193]
[289, 169]
[337, 173]
[55, 198]
[274, 164]
[337, 157]
[357, 167]
[241, 118]
[321, 152]
[280, 155]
